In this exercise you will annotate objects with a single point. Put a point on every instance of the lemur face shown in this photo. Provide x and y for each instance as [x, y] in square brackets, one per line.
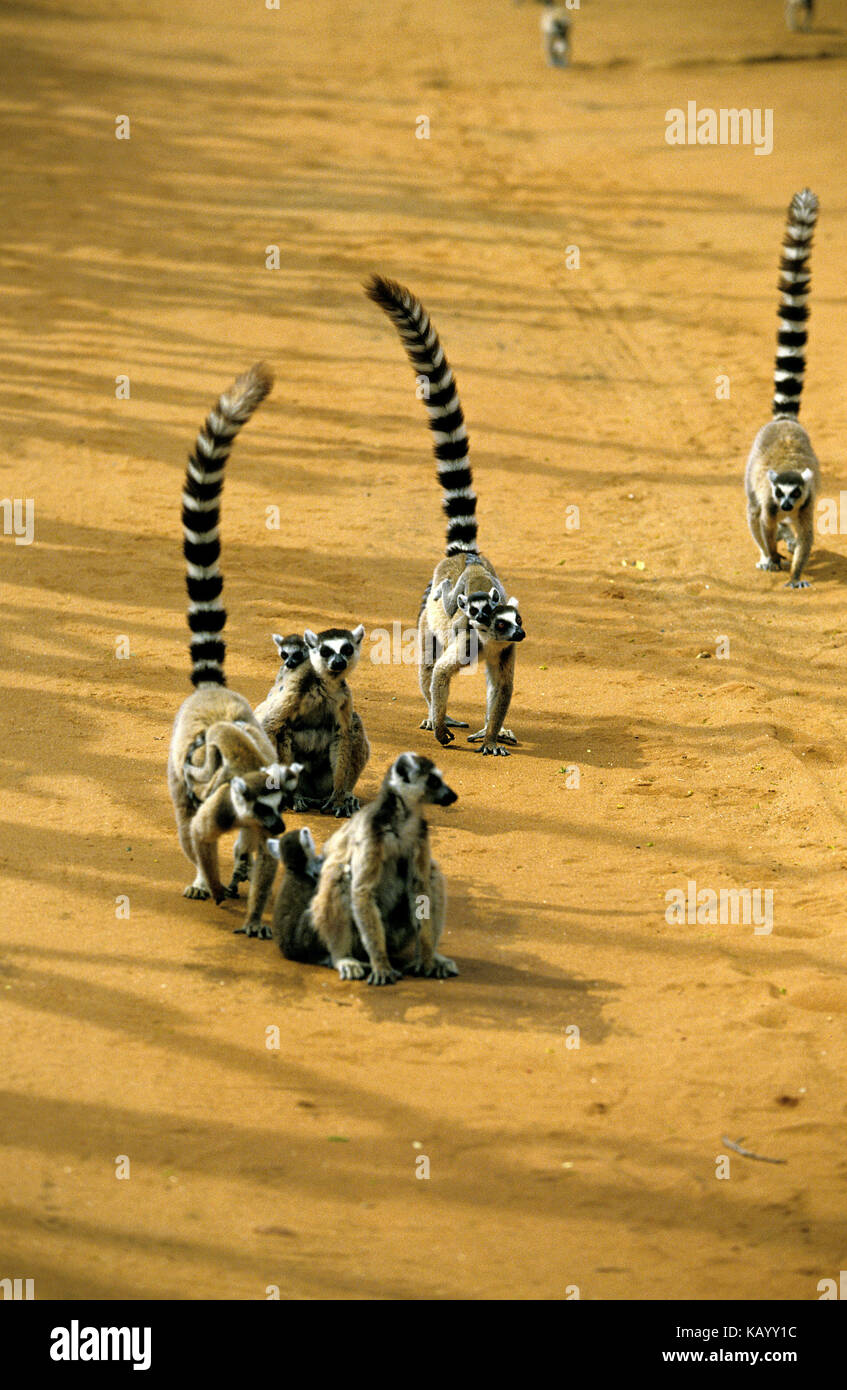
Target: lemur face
[415, 778]
[260, 797]
[334, 651]
[292, 652]
[493, 619]
[790, 489]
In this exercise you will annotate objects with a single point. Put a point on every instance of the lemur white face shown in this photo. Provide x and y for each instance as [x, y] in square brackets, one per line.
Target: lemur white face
[292, 651]
[494, 620]
[789, 490]
[335, 651]
[254, 803]
[415, 778]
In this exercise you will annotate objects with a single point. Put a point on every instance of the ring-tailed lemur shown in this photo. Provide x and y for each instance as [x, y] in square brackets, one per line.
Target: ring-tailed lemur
[292, 926]
[312, 720]
[380, 901]
[782, 475]
[798, 14]
[252, 802]
[489, 625]
[556, 34]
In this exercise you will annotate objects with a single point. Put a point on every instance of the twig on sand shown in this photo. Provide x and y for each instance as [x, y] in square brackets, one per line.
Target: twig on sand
[747, 1153]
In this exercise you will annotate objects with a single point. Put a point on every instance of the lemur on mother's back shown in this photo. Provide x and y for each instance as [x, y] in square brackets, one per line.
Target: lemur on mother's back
[483, 619]
[783, 475]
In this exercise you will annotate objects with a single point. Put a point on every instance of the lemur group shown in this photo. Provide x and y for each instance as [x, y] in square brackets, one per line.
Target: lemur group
[372, 903]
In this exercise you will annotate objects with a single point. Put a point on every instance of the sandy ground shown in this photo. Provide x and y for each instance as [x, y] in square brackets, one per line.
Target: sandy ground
[551, 1166]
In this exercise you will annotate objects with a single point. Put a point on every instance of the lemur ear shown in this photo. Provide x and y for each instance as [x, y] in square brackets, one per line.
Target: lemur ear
[772, 474]
[405, 767]
[307, 840]
[311, 638]
[272, 847]
[807, 475]
[294, 770]
[513, 603]
[358, 633]
[462, 601]
[494, 595]
[279, 642]
[239, 785]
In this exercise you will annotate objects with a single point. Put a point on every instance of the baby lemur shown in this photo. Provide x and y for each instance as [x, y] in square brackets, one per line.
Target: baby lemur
[311, 718]
[292, 926]
[252, 800]
[380, 901]
[487, 625]
[782, 475]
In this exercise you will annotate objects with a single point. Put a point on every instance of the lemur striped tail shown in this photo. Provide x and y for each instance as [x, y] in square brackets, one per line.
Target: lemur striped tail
[793, 311]
[439, 394]
[201, 514]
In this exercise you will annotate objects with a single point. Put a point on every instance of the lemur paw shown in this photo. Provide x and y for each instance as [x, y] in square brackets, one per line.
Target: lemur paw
[192, 891]
[426, 724]
[257, 929]
[504, 736]
[350, 969]
[383, 975]
[444, 736]
[345, 806]
[302, 803]
[797, 584]
[439, 968]
[771, 565]
[495, 750]
[455, 723]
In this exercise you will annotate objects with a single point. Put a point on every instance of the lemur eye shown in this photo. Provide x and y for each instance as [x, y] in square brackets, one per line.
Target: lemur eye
[500, 623]
[346, 650]
[433, 782]
[326, 653]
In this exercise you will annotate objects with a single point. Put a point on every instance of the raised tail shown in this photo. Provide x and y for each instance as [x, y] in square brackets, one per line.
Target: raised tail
[201, 514]
[793, 311]
[437, 389]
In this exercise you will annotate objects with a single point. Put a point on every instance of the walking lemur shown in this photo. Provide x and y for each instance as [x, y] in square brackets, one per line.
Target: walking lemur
[782, 475]
[251, 799]
[488, 621]
[310, 717]
[380, 901]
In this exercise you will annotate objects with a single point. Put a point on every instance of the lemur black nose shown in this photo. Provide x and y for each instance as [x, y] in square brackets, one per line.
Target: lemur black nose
[446, 797]
[786, 506]
[519, 635]
[338, 664]
[291, 662]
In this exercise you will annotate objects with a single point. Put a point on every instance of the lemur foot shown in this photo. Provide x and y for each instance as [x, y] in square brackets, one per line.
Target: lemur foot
[455, 723]
[426, 724]
[257, 929]
[345, 806]
[495, 750]
[194, 891]
[439, 968]
[231, 890]
[383, 975]
[770, 565]
[350, 969]
[444, 736]
[797, 584]
[302, 803]
[504, 736]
